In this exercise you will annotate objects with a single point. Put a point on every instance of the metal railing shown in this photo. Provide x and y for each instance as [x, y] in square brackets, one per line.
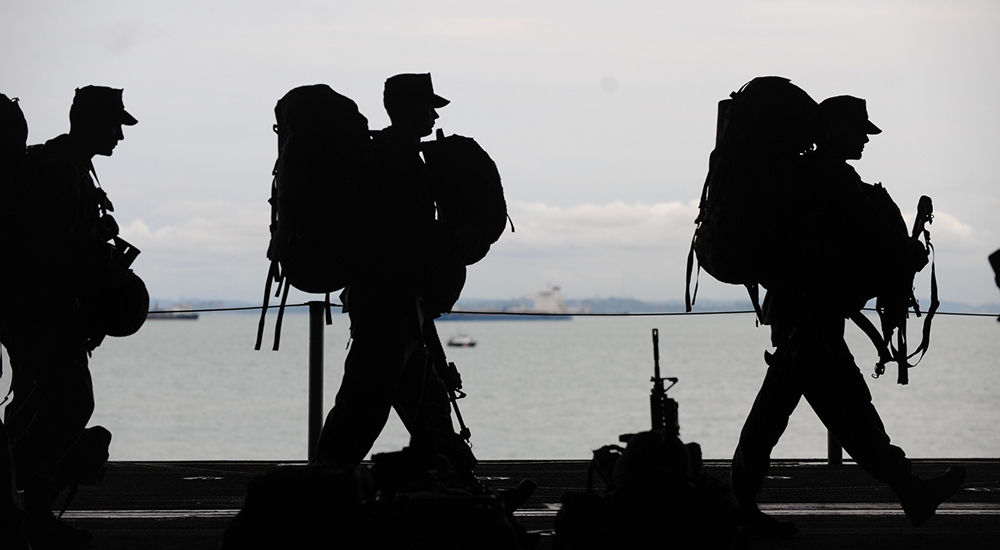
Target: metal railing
[317, 320]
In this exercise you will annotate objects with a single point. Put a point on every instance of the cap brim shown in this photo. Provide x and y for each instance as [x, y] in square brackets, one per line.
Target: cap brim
[437, 101]
[127, 119]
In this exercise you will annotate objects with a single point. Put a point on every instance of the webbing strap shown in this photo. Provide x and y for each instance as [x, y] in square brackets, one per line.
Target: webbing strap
[925, 341]
[263, 310]
[281, 315]
[753, 289]
[689, 296]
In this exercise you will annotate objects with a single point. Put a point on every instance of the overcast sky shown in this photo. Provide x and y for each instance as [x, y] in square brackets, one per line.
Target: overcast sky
[600, 116]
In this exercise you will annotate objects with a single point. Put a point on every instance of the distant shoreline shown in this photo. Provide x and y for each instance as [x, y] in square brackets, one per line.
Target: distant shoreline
[592, 305]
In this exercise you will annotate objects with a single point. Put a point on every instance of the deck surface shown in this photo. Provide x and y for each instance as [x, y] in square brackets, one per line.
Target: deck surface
[187, 505]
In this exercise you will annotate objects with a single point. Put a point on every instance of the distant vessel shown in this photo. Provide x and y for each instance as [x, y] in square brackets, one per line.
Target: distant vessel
[461, 341]
[177, 312]
[547, 305]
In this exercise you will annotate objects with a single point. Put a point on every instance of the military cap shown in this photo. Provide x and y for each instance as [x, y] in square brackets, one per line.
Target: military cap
[101, 101]
[848, 109]
[411, 89]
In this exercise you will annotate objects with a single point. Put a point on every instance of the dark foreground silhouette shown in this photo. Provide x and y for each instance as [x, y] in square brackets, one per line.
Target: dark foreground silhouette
[656, 496]
[67, 285]
[656, 493]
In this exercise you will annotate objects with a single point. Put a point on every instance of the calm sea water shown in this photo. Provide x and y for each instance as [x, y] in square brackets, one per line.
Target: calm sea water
[536, 389]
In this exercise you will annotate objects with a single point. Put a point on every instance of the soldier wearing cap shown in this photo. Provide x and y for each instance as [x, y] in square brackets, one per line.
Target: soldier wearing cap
[402, 279]
[63, 260]
[846, 246]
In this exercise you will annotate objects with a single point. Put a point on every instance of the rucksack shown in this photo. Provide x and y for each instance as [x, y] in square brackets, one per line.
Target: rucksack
[13, 140]
[467, 191]
[761, 131]
[13, 152]
[323, 141]
[13, 144]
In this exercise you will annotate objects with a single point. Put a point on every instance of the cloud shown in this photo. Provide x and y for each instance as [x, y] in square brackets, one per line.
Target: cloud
[218, 252]
[505, 28]
[621, 225]
[124, 36]
[949, 230]
[219, 230]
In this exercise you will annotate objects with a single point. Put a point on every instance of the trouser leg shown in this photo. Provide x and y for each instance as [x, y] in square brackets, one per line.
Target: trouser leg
[54, 400]
[423, 405]
[837, 391]
[414, 400]
[10, 504]
[776, 400]
[378, 352]
[385, 333]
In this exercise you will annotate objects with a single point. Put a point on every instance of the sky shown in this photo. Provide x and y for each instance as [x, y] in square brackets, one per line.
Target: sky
[599, 115]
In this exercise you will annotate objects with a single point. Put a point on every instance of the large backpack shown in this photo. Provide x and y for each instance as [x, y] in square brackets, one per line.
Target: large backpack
[13, 138]
[13, 141]
[323, 142]
[761, 132]
[467, 191]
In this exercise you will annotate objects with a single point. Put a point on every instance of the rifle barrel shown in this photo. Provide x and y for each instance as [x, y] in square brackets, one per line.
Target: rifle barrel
[656, 355]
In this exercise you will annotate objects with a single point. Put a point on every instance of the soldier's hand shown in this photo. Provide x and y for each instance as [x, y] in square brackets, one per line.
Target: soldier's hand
[107, 228]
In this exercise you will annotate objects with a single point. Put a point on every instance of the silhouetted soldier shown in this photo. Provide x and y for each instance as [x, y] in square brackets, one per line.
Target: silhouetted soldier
[403, 278]
[847, 252]
[64, 260]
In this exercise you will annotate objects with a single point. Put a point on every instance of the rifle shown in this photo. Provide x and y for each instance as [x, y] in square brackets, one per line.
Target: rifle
[894, 312]
[662, 409]
[448, 373]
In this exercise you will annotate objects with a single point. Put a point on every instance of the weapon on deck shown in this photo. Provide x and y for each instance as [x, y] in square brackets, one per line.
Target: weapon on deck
[662, 409]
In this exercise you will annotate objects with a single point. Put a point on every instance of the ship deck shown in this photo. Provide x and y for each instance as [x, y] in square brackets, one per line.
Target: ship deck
[167, 505]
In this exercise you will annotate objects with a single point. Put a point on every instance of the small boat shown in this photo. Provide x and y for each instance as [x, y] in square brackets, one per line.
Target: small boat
[461, 341]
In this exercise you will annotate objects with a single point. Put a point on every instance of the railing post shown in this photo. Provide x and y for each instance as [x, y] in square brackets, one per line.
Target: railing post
[316, 310]
[834, 452]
